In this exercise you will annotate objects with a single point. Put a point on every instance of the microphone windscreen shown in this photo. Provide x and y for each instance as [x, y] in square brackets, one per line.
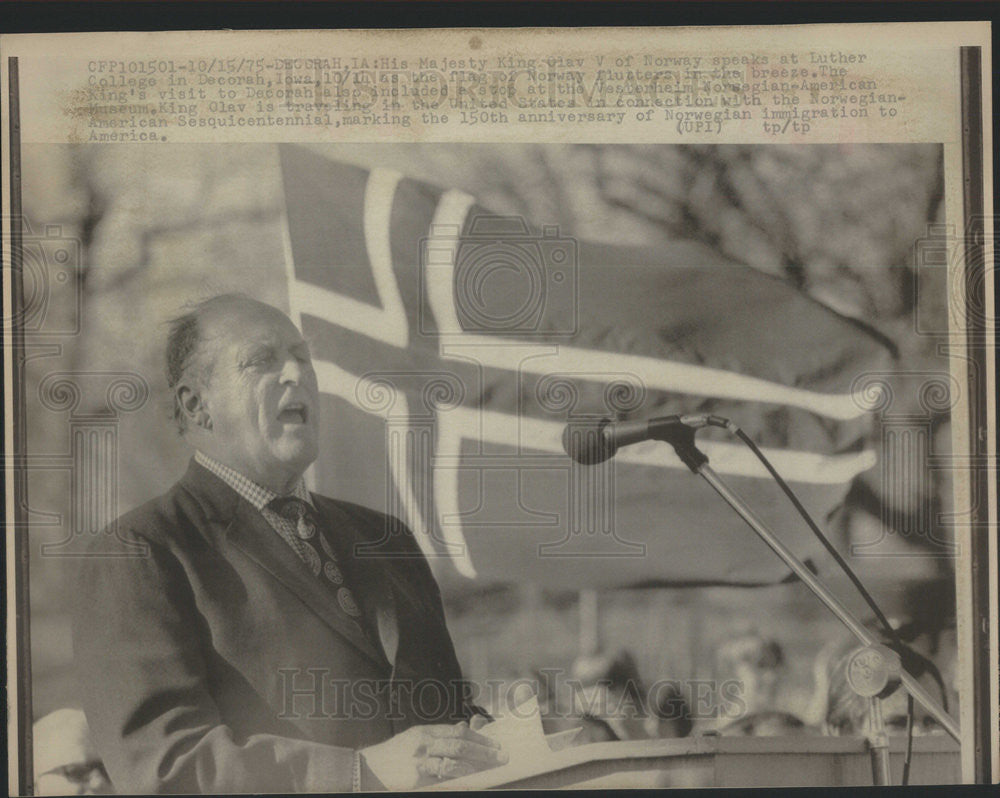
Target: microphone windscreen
[586, 442]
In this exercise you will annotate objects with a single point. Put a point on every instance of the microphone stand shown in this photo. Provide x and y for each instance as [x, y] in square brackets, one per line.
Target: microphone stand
[682, 439]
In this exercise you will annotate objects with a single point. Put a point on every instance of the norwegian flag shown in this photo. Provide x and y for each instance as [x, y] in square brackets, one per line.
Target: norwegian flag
[453, 346]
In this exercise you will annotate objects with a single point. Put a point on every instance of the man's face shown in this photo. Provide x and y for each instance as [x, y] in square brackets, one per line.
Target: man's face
[260, 394]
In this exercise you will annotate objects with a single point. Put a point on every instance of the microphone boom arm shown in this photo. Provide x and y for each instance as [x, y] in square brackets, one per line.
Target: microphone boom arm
[823, 593]
[679, 432]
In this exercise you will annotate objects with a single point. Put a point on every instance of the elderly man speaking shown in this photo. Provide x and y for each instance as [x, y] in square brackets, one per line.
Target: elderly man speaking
[246, 648]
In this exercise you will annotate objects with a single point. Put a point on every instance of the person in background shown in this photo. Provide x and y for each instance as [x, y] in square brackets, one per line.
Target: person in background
[672, 712]
[65, 760]
[610, 698]
[758, 664]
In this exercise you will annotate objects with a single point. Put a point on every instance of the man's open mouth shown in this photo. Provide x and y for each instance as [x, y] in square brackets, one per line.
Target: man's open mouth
[294, 414]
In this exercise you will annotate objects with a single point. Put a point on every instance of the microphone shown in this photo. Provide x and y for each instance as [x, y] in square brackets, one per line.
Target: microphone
[595, 442]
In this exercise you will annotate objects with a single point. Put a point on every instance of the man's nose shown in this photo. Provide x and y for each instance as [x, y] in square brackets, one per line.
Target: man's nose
[292, 371]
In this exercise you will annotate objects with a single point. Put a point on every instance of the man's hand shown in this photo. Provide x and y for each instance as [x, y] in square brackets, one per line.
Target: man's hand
[425, 754]
[478, 721]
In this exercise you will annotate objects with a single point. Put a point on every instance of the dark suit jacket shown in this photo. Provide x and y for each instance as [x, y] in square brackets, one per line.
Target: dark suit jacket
[217, 663]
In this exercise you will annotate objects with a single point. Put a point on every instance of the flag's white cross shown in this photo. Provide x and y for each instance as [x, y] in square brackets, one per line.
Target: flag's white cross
[388, 323]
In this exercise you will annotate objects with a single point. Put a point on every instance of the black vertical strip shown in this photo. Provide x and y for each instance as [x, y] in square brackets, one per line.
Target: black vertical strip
[975, 320]
[22, 606]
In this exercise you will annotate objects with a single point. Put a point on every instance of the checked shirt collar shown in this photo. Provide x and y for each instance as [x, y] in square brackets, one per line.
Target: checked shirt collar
[258, 496]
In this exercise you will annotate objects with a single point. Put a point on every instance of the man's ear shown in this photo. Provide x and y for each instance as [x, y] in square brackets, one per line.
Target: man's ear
[193, 407]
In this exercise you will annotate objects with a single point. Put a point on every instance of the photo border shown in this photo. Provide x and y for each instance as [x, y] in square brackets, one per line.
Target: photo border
[983, 609]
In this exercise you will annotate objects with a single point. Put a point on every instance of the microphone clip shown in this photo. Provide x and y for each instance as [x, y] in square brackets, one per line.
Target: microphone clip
[681, 437]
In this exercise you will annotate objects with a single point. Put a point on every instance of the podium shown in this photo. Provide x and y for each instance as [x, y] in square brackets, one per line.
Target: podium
[799, 761]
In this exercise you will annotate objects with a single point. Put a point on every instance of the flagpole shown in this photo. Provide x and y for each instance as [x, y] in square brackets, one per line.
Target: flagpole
[739, 504]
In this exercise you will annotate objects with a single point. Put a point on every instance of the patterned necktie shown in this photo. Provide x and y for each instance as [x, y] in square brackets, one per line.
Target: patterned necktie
[322, 561]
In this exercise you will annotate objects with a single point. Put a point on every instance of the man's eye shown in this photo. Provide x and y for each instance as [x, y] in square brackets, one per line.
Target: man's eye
[261, 361]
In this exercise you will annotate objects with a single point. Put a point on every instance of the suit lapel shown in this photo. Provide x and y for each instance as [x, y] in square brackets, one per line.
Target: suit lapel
[375, 586]
[232, 521]
[251, 533]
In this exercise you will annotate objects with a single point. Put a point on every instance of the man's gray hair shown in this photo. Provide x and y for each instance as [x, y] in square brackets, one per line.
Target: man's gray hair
[184, 341]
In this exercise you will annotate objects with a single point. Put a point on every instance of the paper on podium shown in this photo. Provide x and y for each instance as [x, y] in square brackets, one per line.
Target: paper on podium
[520, 732]
[522, 737]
